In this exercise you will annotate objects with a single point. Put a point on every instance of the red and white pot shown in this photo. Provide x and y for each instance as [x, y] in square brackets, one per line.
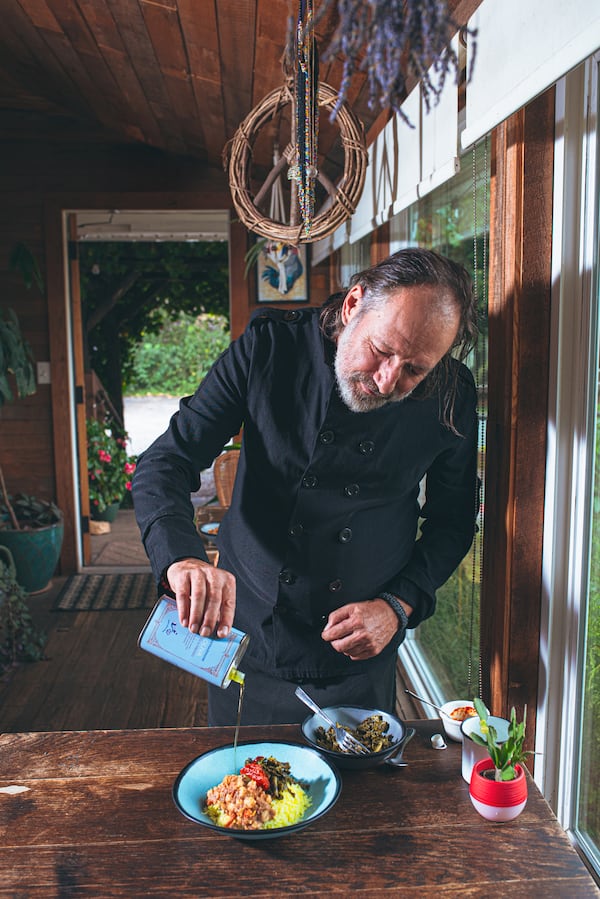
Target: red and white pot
[497, 800]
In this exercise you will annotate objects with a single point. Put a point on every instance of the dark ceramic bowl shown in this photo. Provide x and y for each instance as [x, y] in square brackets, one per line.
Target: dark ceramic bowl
[352, 716]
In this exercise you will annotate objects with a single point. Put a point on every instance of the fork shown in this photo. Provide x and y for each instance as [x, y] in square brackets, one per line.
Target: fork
[345, 740]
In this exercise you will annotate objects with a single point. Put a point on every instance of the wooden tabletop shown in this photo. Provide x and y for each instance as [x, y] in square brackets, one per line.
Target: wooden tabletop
[97, 819]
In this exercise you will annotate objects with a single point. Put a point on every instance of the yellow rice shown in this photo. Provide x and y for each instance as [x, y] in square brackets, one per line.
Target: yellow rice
[290, 808]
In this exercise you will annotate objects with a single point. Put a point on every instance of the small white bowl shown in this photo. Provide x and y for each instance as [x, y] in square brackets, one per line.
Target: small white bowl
[452, 725]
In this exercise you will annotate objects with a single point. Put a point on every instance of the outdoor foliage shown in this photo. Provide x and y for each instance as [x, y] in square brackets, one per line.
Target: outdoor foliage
[20, 639]
[129, 289]
[175, 360]
[451, 636]
[110, 469]
[590, 798]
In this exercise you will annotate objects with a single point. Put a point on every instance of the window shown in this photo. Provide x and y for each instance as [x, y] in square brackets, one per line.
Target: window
[568, 725]
[354, 257]
[442, 654]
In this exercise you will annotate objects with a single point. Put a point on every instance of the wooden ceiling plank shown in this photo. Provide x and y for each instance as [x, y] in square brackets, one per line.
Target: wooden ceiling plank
[110, 45]
[132, 29]
[202, 51]
[271, 33]
[237, 36]
[40, 15]
[25, 50]
[165, 32]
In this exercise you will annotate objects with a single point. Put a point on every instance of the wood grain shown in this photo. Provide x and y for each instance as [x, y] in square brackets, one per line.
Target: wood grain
[97, 818]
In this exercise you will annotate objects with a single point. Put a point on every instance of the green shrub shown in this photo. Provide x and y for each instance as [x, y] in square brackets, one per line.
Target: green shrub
[175, 360]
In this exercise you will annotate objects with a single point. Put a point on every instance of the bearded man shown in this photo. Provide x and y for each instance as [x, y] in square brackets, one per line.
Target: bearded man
[356, 491]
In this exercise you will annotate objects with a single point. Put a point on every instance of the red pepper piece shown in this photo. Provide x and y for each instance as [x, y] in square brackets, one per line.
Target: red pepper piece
[256, 772]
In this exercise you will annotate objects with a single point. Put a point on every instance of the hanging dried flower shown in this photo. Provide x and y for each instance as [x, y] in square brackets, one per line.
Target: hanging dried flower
[392, 40]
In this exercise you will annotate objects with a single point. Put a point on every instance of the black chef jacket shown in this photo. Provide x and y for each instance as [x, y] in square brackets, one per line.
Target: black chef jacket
[325, 509]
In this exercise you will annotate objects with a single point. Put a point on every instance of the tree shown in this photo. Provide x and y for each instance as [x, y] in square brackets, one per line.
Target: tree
[126, 289]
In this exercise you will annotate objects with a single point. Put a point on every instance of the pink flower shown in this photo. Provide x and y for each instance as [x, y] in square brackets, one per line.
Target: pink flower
[104, 456]
[129, 467]
[128, 485]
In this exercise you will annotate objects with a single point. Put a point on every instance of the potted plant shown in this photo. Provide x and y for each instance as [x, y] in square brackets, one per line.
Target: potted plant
[110, 468]
[20, 640]
[31, 528]
[498, 787]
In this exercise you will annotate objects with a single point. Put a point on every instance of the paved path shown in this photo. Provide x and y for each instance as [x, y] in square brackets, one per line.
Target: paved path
[146, 418]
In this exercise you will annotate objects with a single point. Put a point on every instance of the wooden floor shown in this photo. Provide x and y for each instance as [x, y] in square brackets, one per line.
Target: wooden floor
[95, 677]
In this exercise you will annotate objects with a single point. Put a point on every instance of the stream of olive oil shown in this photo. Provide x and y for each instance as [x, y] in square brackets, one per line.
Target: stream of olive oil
[239, 678]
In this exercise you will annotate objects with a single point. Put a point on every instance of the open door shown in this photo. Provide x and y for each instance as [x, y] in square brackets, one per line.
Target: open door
[79, 380]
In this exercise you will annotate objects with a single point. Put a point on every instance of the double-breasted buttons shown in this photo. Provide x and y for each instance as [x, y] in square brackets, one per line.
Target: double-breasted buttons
[326, 437]
[366, 447]
[345, 535]
[335, 586]
[351, 489]
[296, 530]
[287, 576]
[310, 481]
[291, 316]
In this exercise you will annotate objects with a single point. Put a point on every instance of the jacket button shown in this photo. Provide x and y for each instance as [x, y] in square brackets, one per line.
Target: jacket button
[345, 535]
[335, 586]
[291, 316]
[366, 447]
[326, 436]
[286, 576]
[310, 481]
[296, 530]
[352, 490]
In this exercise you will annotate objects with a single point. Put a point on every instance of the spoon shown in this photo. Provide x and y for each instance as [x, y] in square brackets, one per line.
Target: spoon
[396, 759]
[426, 701]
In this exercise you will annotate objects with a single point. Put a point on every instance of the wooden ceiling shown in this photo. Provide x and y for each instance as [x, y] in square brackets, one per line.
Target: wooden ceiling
[179, 75]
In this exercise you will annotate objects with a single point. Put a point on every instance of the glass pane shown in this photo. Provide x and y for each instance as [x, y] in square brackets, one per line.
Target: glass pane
[588, 812]
[454, 221]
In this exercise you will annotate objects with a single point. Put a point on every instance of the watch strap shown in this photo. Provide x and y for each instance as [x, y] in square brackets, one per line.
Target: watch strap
[396, 605]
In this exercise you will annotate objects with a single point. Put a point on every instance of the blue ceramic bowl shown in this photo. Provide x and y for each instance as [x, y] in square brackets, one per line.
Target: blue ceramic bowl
[352, 716]
[321, 779]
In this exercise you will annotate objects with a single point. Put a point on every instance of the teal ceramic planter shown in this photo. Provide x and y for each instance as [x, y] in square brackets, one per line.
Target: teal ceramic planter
[35, 553]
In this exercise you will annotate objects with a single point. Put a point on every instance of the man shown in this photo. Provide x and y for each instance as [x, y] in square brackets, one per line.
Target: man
[325, 556]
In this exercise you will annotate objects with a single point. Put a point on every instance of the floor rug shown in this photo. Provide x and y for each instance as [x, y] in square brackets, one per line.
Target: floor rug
[107, 592]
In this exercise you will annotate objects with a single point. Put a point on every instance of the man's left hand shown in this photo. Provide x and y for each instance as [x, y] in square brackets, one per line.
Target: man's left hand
[361, 630]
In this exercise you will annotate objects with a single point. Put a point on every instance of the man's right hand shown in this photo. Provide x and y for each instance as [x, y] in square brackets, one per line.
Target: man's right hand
[205, 596]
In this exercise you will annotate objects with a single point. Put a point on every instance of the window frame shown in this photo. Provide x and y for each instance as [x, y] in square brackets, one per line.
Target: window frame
[571, 445]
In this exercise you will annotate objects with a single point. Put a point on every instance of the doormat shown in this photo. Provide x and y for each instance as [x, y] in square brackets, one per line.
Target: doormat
[107, 592]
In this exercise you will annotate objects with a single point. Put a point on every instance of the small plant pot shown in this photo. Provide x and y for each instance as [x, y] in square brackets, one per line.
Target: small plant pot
[497, 800]
[109, 514]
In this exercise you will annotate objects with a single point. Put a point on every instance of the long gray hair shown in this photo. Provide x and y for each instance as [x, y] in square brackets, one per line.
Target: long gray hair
[412, 267]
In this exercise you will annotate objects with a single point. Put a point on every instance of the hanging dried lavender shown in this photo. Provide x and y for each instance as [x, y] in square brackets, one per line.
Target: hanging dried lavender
[392, 39]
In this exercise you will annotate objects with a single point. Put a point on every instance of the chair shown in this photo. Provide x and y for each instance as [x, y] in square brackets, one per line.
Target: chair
[224, 470]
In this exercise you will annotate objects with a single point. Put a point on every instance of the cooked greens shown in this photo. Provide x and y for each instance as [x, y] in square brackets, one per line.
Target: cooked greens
[372, 733]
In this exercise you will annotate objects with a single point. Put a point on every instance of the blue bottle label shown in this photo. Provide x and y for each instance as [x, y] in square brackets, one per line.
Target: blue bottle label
[211, 658]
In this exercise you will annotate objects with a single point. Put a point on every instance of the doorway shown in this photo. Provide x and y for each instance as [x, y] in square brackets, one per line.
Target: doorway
[105, 547]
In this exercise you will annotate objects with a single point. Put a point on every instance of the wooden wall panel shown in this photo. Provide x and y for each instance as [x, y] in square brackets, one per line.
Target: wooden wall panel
[38, 180]
[519, 329]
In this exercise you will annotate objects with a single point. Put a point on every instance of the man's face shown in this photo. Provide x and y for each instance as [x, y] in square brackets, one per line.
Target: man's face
[385, 352]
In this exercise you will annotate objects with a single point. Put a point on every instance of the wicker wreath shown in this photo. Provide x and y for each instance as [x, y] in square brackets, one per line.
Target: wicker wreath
[342, 198]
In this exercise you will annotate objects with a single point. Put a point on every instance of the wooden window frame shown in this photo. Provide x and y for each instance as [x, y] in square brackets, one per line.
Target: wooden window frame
[519, 348]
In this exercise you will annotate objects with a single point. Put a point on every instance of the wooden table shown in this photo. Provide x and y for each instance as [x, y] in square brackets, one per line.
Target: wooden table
[97, 819]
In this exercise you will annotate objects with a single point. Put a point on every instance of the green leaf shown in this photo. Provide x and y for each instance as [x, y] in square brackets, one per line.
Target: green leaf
[23, 261]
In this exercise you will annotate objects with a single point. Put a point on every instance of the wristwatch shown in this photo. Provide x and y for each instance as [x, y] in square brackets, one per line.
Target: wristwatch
[396, 605]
